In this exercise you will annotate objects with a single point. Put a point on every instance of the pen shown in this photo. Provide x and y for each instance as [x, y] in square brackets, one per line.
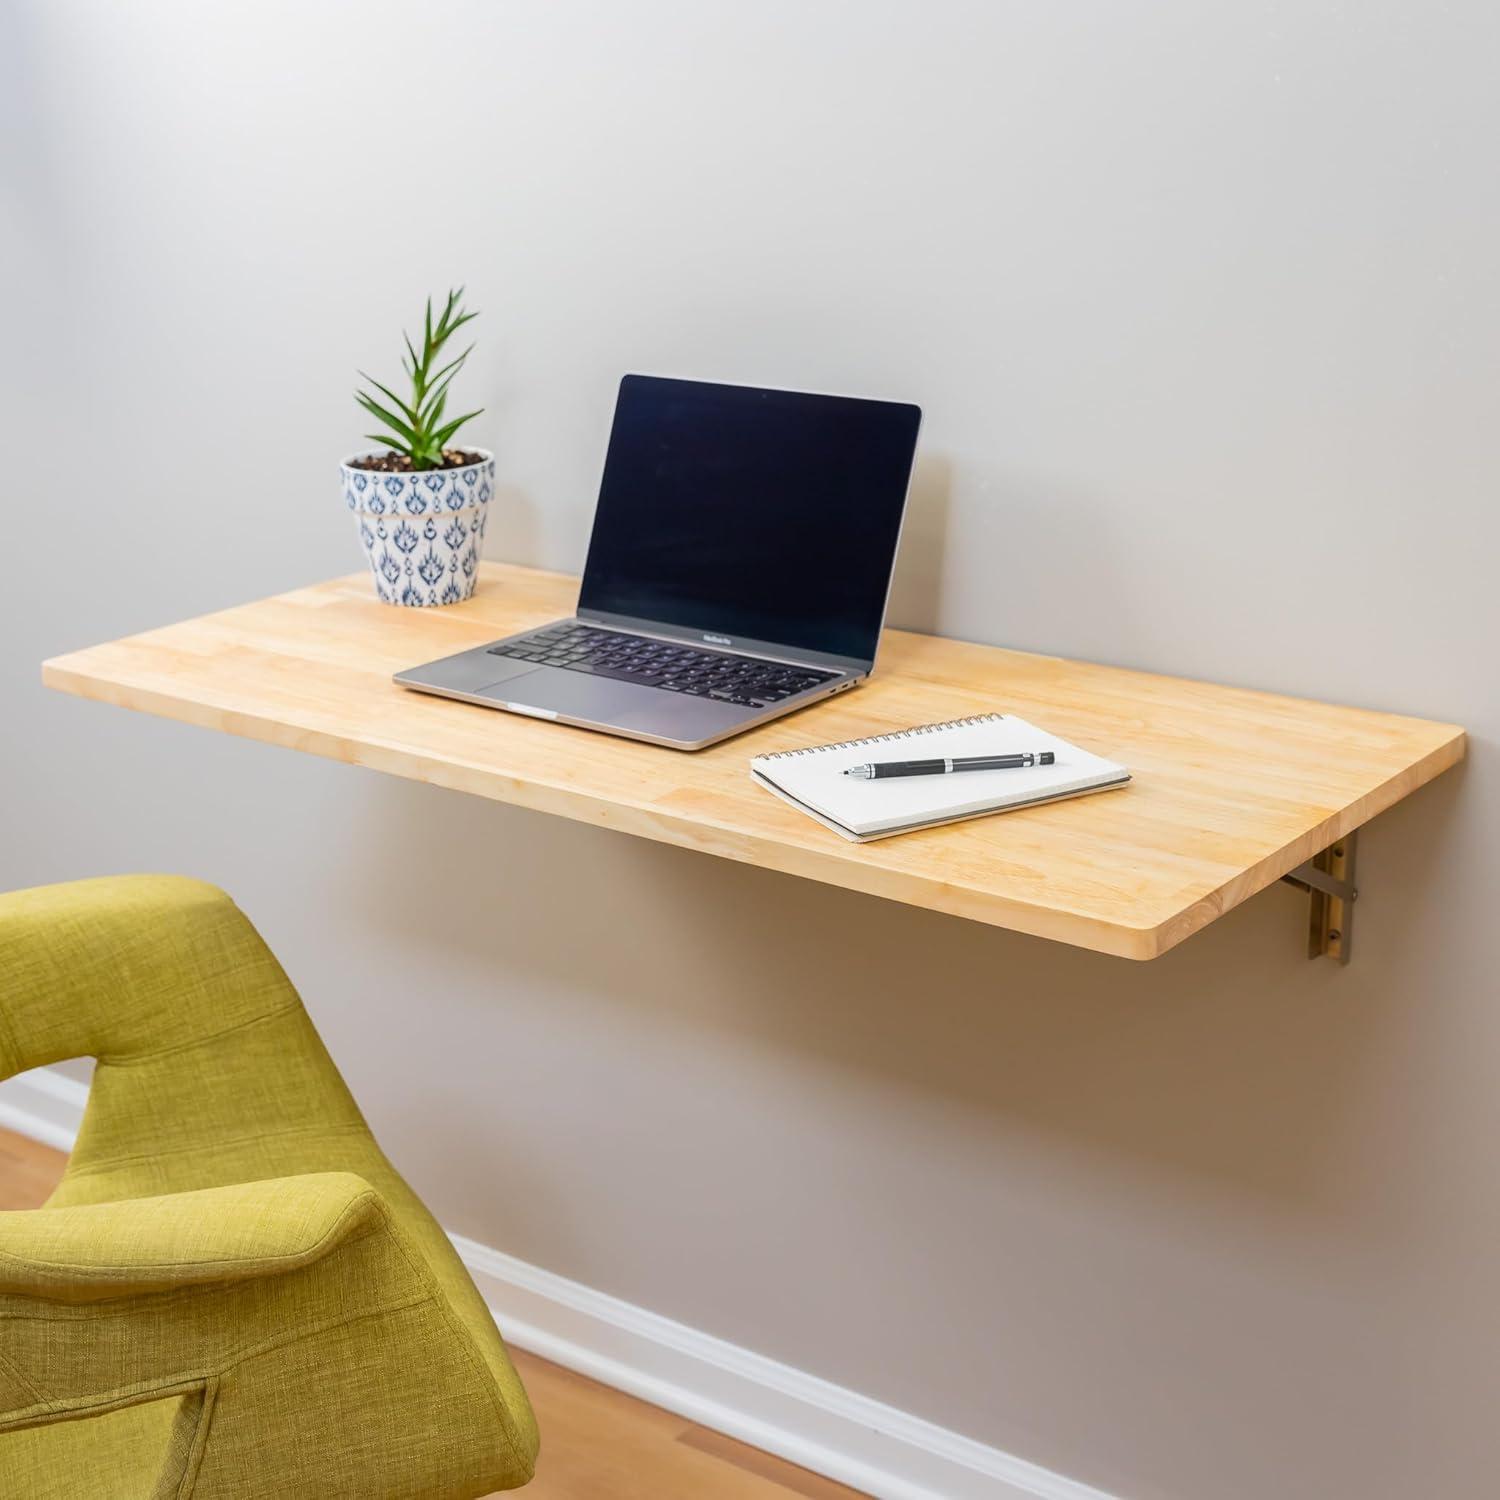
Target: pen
[943, 767]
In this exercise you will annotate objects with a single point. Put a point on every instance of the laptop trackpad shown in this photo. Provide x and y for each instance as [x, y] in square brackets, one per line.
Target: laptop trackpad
[506, 672]
[574, 693]
[604, 700]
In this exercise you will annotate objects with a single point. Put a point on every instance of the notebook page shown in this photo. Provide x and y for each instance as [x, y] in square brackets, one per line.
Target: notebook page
[815, 778]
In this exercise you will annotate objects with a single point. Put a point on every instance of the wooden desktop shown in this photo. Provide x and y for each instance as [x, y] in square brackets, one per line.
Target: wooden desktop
[1233, 789]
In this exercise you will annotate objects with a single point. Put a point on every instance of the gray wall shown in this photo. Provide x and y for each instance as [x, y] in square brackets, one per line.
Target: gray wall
[1201, 302]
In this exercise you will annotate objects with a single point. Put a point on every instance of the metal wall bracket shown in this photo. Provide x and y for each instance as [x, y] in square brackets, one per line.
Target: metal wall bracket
[1328, 878]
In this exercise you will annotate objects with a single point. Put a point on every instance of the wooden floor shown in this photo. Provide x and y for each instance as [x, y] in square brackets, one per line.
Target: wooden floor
[596, 1443]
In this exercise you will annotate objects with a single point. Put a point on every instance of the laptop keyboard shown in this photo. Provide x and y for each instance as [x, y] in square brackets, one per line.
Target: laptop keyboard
[745, 680]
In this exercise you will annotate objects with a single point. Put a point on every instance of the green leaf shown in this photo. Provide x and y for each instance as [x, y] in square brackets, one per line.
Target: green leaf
[385, 390]
[458, 323]
[390, 419]
[452, 320]
[441, 436]
[432, 413]
[375, 409]
[429, 390]
[453, 365]
[416, 364]
[445, 326]
[440, 385]
[433, 408]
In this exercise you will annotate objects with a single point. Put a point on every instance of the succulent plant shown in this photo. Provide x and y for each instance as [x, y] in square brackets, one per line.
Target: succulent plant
[420, 432]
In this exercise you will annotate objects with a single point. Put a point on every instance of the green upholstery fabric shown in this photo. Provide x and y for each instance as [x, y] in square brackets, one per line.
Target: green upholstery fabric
[231, 1293]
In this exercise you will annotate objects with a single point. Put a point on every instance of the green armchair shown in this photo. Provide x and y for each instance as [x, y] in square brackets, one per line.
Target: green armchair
[231, 1293]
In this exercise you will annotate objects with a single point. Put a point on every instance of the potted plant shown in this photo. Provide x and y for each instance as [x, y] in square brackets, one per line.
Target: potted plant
[421, 505]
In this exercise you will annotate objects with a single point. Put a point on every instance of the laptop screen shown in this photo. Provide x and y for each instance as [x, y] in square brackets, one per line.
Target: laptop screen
[746, 513]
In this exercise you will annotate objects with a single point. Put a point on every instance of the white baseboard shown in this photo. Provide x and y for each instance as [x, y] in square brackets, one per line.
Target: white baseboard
[824, 1427]
[860, 1442]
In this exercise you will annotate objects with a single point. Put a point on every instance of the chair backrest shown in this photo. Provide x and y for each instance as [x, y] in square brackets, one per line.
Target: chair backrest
[100, 968]
[199, 1034]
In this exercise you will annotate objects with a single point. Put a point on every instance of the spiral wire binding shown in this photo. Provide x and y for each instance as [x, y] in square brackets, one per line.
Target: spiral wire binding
[885, 739]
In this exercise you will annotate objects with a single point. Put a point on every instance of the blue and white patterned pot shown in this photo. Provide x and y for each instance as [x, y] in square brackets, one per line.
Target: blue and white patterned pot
[422, 532]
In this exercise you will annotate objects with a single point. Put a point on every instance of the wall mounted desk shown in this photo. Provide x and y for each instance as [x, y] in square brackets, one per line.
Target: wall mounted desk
[1234, 789]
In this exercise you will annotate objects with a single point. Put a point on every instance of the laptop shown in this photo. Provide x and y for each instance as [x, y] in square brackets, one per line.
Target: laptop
[738, 570]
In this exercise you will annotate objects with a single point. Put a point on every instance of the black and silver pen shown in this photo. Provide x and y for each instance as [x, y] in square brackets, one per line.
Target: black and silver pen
[944, 766]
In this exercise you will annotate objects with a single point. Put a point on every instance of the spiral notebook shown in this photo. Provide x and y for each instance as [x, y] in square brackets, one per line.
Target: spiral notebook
[814, 781]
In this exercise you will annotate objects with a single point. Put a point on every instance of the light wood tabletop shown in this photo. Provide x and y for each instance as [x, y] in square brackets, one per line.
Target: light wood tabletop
[1232, 789]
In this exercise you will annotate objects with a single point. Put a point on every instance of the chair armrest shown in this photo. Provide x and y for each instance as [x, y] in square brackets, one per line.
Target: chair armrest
[253, 1229]
[308, 1347]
